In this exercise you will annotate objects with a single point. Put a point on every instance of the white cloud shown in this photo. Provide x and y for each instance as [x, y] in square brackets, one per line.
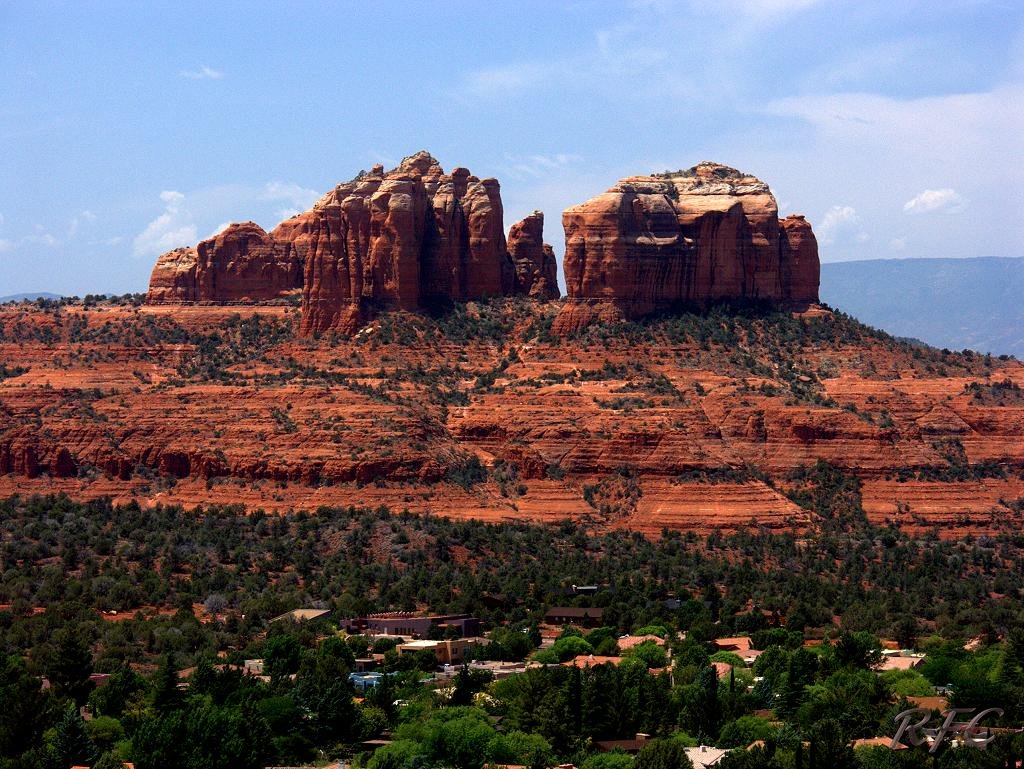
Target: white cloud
[897, 244]
[538, 166]
[173, 228]
[87, 217]
[769, 8]
[297, 198]
[5, 245]
[203, 73]
[220, 228]
[945, 199]
[300, 198]
[40, 238]
[836, 221]
[884, 150]
[185, 216]
[509, 78]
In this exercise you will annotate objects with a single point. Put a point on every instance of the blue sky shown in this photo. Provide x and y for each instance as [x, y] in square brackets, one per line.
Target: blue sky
[129, 128]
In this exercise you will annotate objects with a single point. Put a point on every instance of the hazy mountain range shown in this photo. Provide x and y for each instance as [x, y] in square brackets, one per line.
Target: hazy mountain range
[30, 297]
[955, 303]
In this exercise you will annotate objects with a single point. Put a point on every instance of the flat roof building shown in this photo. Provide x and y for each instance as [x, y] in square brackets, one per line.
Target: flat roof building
[574, 615]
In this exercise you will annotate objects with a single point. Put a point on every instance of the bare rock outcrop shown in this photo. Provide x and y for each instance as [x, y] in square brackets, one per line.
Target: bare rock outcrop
[173, 280]
[403, 239]
[242, 263]
[533, 260]
[707, 234]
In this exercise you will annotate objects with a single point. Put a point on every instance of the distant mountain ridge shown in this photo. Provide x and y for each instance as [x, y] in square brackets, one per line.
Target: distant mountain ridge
[960, 304]
[31, 297]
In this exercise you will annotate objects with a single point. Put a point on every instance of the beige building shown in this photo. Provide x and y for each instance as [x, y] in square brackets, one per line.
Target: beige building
[449, 651]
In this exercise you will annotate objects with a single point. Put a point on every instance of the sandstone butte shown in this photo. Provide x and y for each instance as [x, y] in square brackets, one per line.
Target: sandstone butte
[696, 422]
[653, 243]
[409, 238]
[504, 403]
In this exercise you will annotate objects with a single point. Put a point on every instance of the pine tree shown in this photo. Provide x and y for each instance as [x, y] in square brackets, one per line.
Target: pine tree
[71, 665]
[71, 744]
[166, 695]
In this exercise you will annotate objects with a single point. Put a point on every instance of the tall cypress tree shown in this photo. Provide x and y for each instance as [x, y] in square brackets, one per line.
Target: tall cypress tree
[72, 745]
[71, 665]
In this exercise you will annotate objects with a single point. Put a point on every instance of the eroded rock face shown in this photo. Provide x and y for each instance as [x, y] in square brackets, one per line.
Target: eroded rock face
[533, 260]
[402, 239]
[92, 415]
[243, 263]
[698, 236]
[174, 277]
[801, 268]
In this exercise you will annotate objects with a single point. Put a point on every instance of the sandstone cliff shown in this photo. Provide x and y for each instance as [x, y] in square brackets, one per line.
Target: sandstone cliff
[403, 239]
[411, 237]
[536, 270]
[240, 264]
[698, 236]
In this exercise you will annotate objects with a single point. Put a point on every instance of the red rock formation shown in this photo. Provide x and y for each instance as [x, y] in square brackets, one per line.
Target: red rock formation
[240, 264]
[173, 280]
[411, 237]
[403, 239]
[116, 401]
[698, 236]
[801, 268]
[532, 259]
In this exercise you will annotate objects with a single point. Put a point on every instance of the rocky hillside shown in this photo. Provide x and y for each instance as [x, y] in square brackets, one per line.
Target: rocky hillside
[430, 368]
[695, 422]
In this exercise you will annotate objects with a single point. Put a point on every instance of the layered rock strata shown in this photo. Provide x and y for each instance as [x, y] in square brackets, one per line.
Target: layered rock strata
[698, 236]
[243, 263]
[405, 239]
[408, 238]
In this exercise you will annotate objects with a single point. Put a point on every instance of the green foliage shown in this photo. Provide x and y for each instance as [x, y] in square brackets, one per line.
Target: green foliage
[662, 754]
[659, 630]
[70, 665]
[203, 736]
[744, 730]
[467, 473]
[611, 760]
[565, 649]
[907, 683]
[522, 749]
[652, 655]
[282, 654]
[263, 566]
[322, 692]
[400, 754]
[23, 714]
[71, 743]
[113, 698]
[830, 492]
[105, 732]
[859, 649]
[730, 658]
